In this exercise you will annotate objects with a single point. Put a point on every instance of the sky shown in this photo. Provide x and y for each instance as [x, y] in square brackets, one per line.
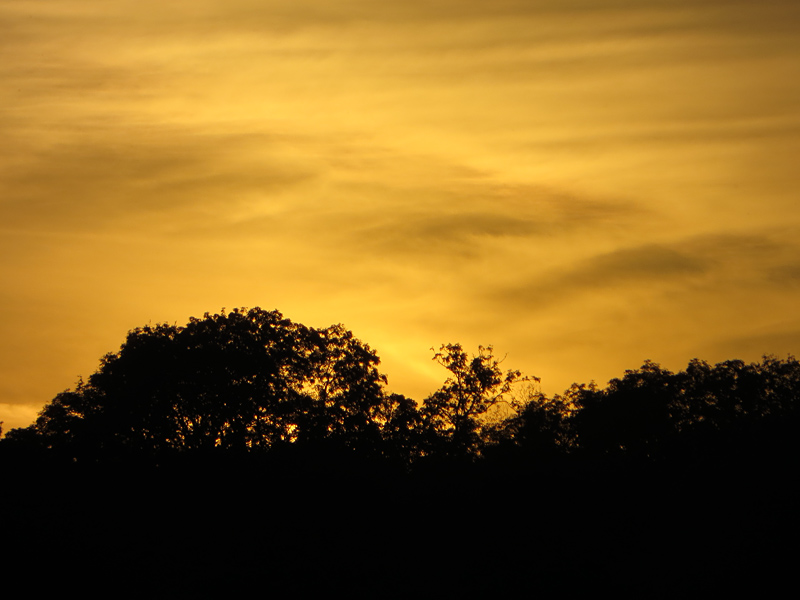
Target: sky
[583, 184]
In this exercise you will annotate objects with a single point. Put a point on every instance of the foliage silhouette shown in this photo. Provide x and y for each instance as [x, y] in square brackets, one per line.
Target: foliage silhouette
[630, 416]
[653, 414]
[247, 449]
[235, 382]
[475, 386]
[251, 381]
[540, 429]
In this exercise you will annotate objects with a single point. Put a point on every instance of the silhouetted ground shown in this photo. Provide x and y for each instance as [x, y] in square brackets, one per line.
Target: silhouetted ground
[202, 530]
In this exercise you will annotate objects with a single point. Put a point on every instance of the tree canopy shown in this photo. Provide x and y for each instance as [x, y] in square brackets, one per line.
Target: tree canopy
[235, 381]
[475, 386]
[249, 381]
[572, 473]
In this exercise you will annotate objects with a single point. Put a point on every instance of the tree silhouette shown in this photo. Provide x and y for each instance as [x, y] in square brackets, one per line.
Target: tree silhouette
[541, 428]
[403, 431]
[252, 380]
[632, 416]
[234, 382]
[476, 385]
[652, 413]
[341, 394]
[699, 464]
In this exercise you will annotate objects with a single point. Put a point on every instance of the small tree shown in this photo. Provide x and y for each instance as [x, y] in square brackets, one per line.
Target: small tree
[476, 385]
[541, 426]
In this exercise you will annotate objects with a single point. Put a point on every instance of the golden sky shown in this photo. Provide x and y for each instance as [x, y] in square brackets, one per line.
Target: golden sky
[583, 184]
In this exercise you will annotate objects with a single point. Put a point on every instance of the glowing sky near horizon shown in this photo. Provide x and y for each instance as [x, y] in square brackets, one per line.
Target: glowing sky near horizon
[582, 184]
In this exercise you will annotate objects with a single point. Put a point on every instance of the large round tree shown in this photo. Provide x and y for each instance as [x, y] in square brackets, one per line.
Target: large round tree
[240, 380]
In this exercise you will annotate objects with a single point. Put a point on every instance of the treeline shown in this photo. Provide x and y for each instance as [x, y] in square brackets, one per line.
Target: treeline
[247, 454]
[249, 384]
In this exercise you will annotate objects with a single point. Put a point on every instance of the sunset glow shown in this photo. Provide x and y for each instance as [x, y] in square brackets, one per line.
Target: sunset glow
[582, 185]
